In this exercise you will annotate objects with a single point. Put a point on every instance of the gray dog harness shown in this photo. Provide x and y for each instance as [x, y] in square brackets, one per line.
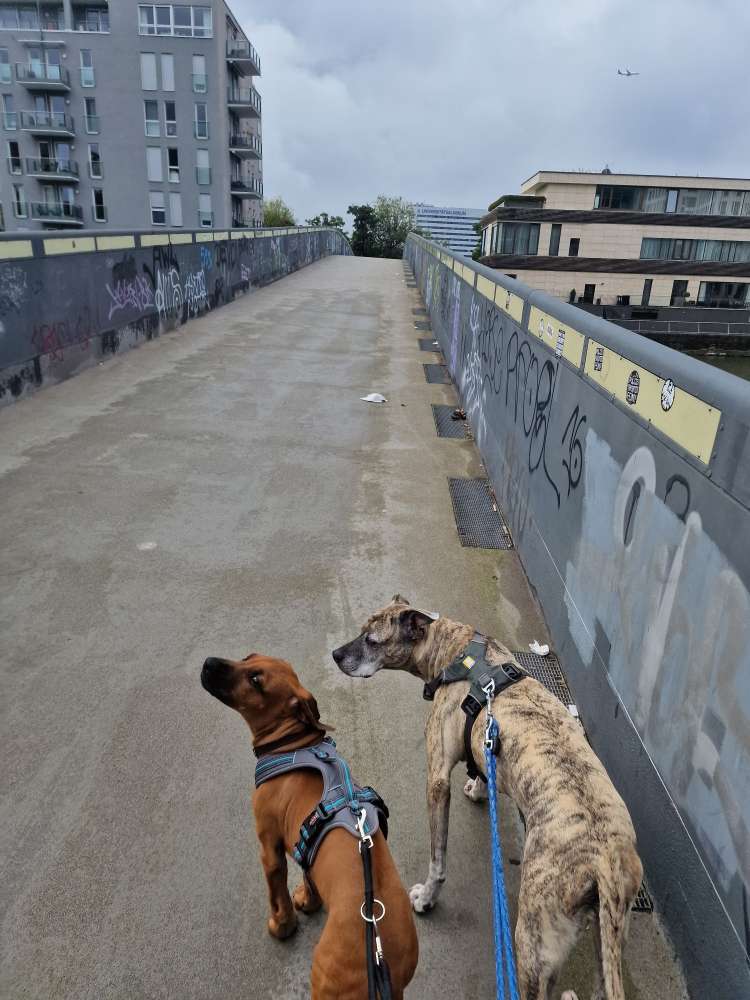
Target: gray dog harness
[342, 800]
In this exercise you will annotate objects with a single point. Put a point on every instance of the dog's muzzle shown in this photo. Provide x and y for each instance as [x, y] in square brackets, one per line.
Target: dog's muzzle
[216, 678]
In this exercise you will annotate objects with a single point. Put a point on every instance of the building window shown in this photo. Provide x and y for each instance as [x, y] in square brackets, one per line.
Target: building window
[5, 71]
[694, 201]
[170, 118]
[205, 214]
[201, 121]
[184, 21]
[153, 164]
[173, 165]
[20, 209]
[92, 118]
[148, 71]
[90, 19]
[175, 208]
[588, 293]
[158, 214]
[727, 251]
[554, 240]
[574, 246]
[679, 292]
[167, 71]
[520, 238]
[87, 69]
[671, 205]
[724, 293]
[730, 203]
[14, 158]
[200, 80]
[646, 295]
[202, 169]
[100, 211]
[10, 115]
[151, 116]
[95, 160]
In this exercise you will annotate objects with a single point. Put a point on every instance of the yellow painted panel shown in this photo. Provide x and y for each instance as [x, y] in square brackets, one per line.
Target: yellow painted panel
[180, 237]
[561, 338]
[221, 236]
[683, 418]
[78, 245]
[510, 303]
[16, 248]
[114, 242]
[468, 274]
[240, 234]
[486, 287]
[154, 239]
[204, 237]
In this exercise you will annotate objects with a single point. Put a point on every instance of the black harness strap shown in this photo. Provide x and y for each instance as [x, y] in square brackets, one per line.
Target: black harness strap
[471, 665]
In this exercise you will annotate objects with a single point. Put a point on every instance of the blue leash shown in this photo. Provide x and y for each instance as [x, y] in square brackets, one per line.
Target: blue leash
[504, 962]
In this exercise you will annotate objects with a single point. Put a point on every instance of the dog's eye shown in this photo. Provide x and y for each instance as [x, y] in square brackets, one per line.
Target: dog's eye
[371, 640]
[255, 680]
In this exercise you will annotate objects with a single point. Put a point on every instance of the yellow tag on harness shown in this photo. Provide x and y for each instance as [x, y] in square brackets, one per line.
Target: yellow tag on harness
[468, 662]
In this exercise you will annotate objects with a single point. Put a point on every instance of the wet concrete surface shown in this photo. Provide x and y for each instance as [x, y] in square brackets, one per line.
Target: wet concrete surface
[219, 491]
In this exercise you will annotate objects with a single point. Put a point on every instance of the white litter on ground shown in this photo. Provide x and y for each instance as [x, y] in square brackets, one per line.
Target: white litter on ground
[374, 397]
[538, 648]
[146, 546]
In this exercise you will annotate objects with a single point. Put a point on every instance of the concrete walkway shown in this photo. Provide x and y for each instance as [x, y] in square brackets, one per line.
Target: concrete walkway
[219, 491]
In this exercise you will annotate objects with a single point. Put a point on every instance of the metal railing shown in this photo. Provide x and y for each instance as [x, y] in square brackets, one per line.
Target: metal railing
[38, 73]
[47, 121]
[50, 165]
[43, 210]
[244, 95]
[92, 20]
[250, 184]
[239, 48]
[251, 142]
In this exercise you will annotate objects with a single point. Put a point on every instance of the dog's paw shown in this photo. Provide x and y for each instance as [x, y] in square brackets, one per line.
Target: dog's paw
[421, 898]
[282, 929]
[475, 789]
[304, 900]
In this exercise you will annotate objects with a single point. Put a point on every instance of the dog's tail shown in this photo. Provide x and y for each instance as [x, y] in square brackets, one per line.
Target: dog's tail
[618, 879]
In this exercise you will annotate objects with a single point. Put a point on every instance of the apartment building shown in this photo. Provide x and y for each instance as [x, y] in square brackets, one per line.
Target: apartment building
[625, 239]
[128, 115]
[453, 227]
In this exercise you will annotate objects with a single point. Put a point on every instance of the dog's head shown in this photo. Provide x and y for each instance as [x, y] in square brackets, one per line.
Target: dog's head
[268, 695]
[387, 641]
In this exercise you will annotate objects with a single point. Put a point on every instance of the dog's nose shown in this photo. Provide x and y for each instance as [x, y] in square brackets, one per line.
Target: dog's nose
[338, 654]
[212, 663]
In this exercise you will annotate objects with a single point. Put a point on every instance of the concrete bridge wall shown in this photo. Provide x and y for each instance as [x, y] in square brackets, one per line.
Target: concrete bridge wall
[623, 469]
[68, 302]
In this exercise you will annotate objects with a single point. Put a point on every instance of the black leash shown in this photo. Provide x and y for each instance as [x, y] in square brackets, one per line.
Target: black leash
[378, 976]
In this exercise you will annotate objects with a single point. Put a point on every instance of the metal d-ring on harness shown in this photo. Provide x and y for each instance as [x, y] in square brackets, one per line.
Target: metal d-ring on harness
[378, 976]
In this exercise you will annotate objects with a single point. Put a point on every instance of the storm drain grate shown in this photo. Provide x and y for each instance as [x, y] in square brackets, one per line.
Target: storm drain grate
[643, 903]
[437, 374]
[427, 344]
[419, 311]
[546, 669]
[479, 523]
[445, 426]
[422, 324]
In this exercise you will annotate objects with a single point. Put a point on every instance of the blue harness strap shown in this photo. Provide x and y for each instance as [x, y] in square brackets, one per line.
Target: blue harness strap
[340, 804]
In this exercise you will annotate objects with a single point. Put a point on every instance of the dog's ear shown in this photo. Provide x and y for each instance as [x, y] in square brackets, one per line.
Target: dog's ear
[398, 599]
[306, 710]
[414, 624]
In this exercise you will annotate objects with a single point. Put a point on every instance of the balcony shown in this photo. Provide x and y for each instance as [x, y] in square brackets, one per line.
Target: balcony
[246, 146]
[244, 102]
[47, 169]
[250, 188]
[61, 214]
[48, 123]
[243, 56]
[35, 76]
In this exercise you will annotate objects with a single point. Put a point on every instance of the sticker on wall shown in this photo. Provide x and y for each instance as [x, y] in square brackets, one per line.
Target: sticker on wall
[507, 302]
[667, 395]
[634, 384]
[598, 359]
[560, 342]
[550, 331]
[541, 326]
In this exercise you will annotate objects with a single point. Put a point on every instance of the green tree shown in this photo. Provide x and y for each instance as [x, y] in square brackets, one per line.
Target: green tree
[324, 219]
[277, 213]
[476, 253]
[394, 220]
[363, 230]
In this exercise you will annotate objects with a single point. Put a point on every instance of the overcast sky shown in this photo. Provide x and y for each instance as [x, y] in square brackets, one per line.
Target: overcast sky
[455, 103]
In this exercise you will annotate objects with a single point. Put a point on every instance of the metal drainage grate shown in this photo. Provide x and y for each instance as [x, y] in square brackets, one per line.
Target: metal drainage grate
[479, 523]
[437, 374]
[546, 669]
[427, 344]
[419, 311]
[643, 903]
[445, 425]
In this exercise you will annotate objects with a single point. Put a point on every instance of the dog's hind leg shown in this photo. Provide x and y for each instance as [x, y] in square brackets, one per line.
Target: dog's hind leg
[544, 937]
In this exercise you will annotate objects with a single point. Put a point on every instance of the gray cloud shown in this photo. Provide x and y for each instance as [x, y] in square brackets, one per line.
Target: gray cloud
[457, 103]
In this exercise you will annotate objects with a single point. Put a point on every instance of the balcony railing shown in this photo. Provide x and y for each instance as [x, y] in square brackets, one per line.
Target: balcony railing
[67, 169]
[245, 97]
[61, 212]
[47, 121]
[240, 50]
[205, 219]
[91, 20]
[200, 83]
[248, 188]
[246, 143]
[203, 175]
[49, 77]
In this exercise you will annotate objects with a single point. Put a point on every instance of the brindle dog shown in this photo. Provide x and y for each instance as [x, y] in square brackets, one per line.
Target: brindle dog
[580, 858]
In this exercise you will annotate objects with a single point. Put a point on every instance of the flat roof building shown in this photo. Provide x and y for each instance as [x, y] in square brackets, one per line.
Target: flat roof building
[625, 238]
[128, 115]
[453, 227]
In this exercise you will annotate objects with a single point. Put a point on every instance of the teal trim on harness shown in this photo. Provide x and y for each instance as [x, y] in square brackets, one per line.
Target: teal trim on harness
[340, 804]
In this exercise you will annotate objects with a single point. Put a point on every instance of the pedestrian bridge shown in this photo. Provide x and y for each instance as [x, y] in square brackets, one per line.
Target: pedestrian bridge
[224, 489]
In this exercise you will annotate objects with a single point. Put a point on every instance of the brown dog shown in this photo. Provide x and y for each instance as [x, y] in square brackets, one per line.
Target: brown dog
[283, 715]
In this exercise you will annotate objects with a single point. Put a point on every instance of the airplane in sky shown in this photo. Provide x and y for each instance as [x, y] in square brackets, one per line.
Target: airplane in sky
[627, 73]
